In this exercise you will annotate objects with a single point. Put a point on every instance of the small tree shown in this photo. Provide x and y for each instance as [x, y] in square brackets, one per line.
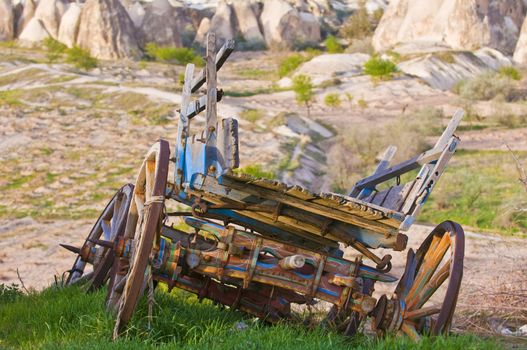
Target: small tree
[333, 45]
[379, 68]
[358, 25]
[55, 49]
[332, 100]
[303, 88]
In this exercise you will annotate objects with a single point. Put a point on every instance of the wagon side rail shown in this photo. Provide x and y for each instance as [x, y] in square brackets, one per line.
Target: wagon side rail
[409, 198]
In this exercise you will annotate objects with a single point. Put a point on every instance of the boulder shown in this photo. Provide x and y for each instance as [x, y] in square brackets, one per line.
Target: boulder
[69, 25]
[106, 30]
[7, 21]
[283, 25]
[202, 31]
[248, 22]
[49, 13]
[136, 13]
[459, 25]
[223, 22]
[520, 53]
[34, 32]
[160, 24]
[442, 70]
[27, 14]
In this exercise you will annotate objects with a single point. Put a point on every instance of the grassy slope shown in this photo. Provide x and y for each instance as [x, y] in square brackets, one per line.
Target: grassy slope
[67, 318]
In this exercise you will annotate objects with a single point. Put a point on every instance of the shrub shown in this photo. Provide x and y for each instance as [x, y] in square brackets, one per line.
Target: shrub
[358, 25]
[486, 86]
[377, 15]
[169, 54]
[252, 115]
[332, 45]
[289, 64]
[332, 100]
[303, 88]
[362, 104]
[81, 58]
[256, 170]
[379, 68]
[55, 49]
[510, 72]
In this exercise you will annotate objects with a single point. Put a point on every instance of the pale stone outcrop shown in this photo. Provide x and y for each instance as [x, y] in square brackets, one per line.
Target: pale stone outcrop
[69, 25]
[136, 12]
[106, 30]
[222, 23]
[284, 25]
[456, 24]
[247, 21]
[27, 14]
[160, 24]
[49, 13]
[202, 31]
[34, 32]
[520, 53]
[442, 70]
[7, 21]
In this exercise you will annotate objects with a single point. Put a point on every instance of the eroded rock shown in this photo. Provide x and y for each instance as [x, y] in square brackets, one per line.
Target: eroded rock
[160, 24]
[69, 25]
[7, 24]
[27, 14]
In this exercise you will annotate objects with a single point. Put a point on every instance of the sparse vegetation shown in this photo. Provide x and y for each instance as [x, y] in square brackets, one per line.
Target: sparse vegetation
[332, 45]
[174, 55]
[487, 86]
[257, 171]
[290, 63]
[252, 115]
[358, 25]
[303, 88]
[362, 103]
[55, 49]
[379, 68]
[80, 58]
[510, 72]
[332, 100]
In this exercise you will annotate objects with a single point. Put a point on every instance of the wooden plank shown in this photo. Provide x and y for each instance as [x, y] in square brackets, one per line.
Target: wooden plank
[450, 129]
[228, 147]
[183, 127]
[212, 97]
[300, 192]
[199, 105]
[307, 206]
[384, 163]
[221, 57]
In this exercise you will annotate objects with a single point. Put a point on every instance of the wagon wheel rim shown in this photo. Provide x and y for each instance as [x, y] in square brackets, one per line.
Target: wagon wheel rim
[411, 311]
[107, 229]
[143, 227]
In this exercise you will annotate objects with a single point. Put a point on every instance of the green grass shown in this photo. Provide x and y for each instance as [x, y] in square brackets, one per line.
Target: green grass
[480, 189]
[69, 319]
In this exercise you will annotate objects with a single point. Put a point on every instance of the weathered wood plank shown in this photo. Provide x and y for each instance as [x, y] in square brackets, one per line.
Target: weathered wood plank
[211, 112]
[199, 105]
[221, 57]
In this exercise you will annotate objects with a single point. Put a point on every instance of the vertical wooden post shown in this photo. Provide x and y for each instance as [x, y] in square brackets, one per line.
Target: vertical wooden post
[211, 163]
[183, 127]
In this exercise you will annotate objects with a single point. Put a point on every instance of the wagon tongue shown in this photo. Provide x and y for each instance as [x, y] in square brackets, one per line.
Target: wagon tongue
[71, 248]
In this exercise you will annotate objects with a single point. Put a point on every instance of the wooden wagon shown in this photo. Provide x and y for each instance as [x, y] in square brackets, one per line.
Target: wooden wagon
[260, 245]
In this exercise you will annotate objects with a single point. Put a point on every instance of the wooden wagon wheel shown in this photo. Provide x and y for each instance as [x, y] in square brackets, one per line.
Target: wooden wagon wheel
[411, 310]
[98, 246]
[142, 230]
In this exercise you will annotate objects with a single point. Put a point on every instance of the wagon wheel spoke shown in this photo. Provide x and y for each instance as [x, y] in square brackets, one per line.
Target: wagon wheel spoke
[92, 253]
[141, 231]
[438, 262]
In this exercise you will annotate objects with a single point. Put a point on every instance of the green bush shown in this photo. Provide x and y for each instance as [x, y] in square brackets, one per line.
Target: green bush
[486, 86]
[333, 45]
[81, 58]
[289, 64]
[332, 100]
[55, 49]
[169, 54]
[256, 170]
[379, 68]
[252, 115]
[510, 72]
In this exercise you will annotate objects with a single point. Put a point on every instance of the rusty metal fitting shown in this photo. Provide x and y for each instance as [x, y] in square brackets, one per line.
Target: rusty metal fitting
[292, 262]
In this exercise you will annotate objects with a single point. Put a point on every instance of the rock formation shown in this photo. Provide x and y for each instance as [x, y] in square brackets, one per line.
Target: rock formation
[203, 29]
[27, 13]
[69, 25]
[49, 13]
[284, 25]
[248, 22]
[7, 21]
[106, 30]
[462, 25]
[34, 32]
[520, 53]
[160, 24]
[223, 23]
[136, 13]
